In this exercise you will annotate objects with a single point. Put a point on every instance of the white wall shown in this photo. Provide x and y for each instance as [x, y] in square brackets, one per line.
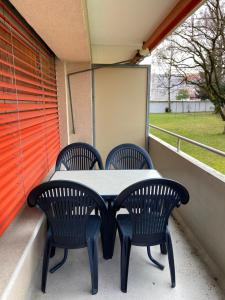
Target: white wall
[181, 106]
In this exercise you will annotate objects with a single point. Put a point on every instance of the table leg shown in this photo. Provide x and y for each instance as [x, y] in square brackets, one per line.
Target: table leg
[108, 232]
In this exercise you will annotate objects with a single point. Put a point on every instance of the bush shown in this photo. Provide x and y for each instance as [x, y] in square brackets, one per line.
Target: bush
[182, 94]
[168, 110]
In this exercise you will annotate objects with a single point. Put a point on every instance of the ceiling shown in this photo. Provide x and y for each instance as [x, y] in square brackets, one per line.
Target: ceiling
[118, 28]
[61, 24]
[125, 22]
[101, 31]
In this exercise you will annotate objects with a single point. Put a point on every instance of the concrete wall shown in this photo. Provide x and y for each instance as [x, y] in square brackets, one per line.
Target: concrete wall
[62, 94]
[204, 215]
[81, 96]
[75, 114]
[21, 249]
[111, 54]
[181, 106]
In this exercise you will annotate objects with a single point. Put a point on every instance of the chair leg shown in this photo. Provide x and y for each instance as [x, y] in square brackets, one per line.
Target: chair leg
[52, 248]
[124, 265]
[45, 265]
[171, 259]
[62, 262]
[93, 260]
[163, 248]
[161, 267]
[52, 254]
[96, 211]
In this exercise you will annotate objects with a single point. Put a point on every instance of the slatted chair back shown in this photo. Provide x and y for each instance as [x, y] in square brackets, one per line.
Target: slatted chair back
[79, 156]
[67, 206]
[149, 203]
[128, 157]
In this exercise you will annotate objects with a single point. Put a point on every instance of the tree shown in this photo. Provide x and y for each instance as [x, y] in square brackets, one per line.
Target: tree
[201, 93]
[200, 40]
[182, 94]
[164, 57]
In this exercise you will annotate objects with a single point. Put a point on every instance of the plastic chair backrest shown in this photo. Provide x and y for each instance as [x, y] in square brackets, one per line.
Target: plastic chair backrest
[67, 206]
[127, 157]
[79, 156]
[149, 203]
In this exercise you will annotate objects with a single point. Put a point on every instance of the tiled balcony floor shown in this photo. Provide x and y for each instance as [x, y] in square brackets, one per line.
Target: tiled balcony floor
[145, 281]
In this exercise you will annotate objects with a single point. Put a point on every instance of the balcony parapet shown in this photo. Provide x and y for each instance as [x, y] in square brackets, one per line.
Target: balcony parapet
[205, 214]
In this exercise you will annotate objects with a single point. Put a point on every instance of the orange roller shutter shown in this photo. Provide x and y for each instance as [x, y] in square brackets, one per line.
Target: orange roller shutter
[29, 127]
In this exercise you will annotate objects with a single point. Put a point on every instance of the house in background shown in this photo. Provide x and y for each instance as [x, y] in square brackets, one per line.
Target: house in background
[159, 91]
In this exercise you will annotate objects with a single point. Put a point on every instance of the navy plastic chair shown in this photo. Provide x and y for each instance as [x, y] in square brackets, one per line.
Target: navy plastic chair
[149, 204]
[68, 207]
[127, 157]
[79, 156]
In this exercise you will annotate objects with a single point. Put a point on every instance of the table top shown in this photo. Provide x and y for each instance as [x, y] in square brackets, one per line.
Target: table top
[107, 183]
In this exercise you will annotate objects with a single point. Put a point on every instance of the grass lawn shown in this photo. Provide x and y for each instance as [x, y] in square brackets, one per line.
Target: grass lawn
[205, 128]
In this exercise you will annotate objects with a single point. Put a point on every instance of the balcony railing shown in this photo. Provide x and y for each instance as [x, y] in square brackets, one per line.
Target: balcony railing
[182, 138]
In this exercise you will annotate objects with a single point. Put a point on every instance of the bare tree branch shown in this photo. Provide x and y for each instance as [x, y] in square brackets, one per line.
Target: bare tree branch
[201, 44]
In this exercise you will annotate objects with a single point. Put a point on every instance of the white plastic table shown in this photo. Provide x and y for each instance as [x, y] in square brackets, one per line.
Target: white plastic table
[108, 184]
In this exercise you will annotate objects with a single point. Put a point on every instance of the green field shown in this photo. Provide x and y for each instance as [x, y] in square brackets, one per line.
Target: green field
[206, 128]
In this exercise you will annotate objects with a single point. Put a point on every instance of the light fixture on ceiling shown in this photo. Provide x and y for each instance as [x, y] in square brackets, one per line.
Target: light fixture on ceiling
[144, 52]
[140, 55]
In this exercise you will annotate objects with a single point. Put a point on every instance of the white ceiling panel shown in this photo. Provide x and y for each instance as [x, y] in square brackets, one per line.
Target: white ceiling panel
[125, 22]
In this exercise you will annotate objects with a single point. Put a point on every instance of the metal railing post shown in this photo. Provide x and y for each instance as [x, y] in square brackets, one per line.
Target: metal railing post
[178, 144]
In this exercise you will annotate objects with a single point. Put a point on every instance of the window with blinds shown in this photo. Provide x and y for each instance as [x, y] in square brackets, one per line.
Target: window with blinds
[29, 133]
